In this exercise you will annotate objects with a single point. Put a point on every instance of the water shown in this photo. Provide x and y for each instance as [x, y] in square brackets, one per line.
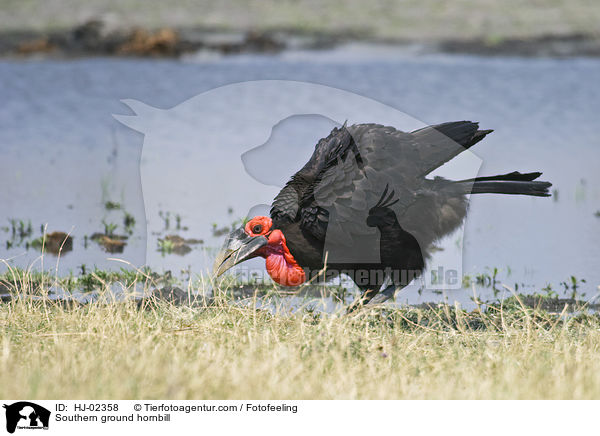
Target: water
[64, 155]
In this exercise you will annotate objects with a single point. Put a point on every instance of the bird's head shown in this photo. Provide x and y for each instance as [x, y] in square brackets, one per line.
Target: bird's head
[257, 238]
[381, 217]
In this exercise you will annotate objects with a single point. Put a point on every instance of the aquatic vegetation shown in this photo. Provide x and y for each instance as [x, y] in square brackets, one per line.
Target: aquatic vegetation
[550, 292]
[109, 228]
[98, 279]
[176, 244]
[166, 217]
[129, 222]
[31, 282]
[165, 246]
[55, 243]
[21, 234]
[112, 205]
[218, 231]
[112, 243]
[572, 284]
[19, 230]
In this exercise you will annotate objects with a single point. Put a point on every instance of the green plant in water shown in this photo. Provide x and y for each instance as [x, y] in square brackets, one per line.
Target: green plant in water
[112, 205]
[467, 280]
[166, 217]
[20, 229]
[165, 246]
[483, 279]
[572, 284]
[129, 222]
[109, 228]
[551, 293]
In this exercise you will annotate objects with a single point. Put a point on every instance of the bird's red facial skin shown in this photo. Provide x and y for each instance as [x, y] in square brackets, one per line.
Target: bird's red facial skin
[281, 265]
[259, 225]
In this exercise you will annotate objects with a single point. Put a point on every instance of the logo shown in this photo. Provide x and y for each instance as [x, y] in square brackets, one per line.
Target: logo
[26, 415]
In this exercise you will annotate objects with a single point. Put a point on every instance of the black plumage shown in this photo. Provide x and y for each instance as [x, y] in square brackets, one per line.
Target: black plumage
[363, 201]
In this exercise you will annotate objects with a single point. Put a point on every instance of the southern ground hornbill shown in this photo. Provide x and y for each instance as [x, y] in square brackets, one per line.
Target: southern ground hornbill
[363, 206]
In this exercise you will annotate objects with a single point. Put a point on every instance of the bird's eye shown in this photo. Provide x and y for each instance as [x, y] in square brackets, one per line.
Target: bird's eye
[257, 229]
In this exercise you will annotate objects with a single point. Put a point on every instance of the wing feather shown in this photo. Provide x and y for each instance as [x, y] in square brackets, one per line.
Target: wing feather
[332, 194]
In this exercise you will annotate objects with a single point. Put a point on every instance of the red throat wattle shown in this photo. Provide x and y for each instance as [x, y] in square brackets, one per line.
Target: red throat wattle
[281, 265]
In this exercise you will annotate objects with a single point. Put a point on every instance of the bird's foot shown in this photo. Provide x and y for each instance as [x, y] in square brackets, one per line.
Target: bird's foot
[372, 298]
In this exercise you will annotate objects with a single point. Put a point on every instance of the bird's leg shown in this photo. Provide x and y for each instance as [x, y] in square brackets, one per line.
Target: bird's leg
[384, 295]
[371, 298]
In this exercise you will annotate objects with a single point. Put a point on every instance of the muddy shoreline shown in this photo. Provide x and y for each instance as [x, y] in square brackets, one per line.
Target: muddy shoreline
[93, 39]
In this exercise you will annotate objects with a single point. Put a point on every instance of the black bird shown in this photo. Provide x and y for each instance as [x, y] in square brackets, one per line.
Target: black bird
[363, 206]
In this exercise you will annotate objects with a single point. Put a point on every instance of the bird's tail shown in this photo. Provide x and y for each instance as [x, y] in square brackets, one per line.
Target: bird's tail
[514, 183]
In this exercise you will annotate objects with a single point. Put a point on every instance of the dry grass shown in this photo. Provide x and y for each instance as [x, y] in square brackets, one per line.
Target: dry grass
[117, 350]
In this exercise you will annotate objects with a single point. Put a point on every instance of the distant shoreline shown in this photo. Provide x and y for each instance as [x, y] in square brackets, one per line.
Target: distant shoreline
[92, 39]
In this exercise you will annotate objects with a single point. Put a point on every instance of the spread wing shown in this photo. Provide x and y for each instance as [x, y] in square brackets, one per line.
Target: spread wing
[349, 170]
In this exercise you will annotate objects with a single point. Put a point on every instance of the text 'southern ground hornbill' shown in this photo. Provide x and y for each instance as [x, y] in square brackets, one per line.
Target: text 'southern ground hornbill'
[363, 206]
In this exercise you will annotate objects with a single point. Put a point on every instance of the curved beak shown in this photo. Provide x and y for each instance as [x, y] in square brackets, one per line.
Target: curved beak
[237, 248]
